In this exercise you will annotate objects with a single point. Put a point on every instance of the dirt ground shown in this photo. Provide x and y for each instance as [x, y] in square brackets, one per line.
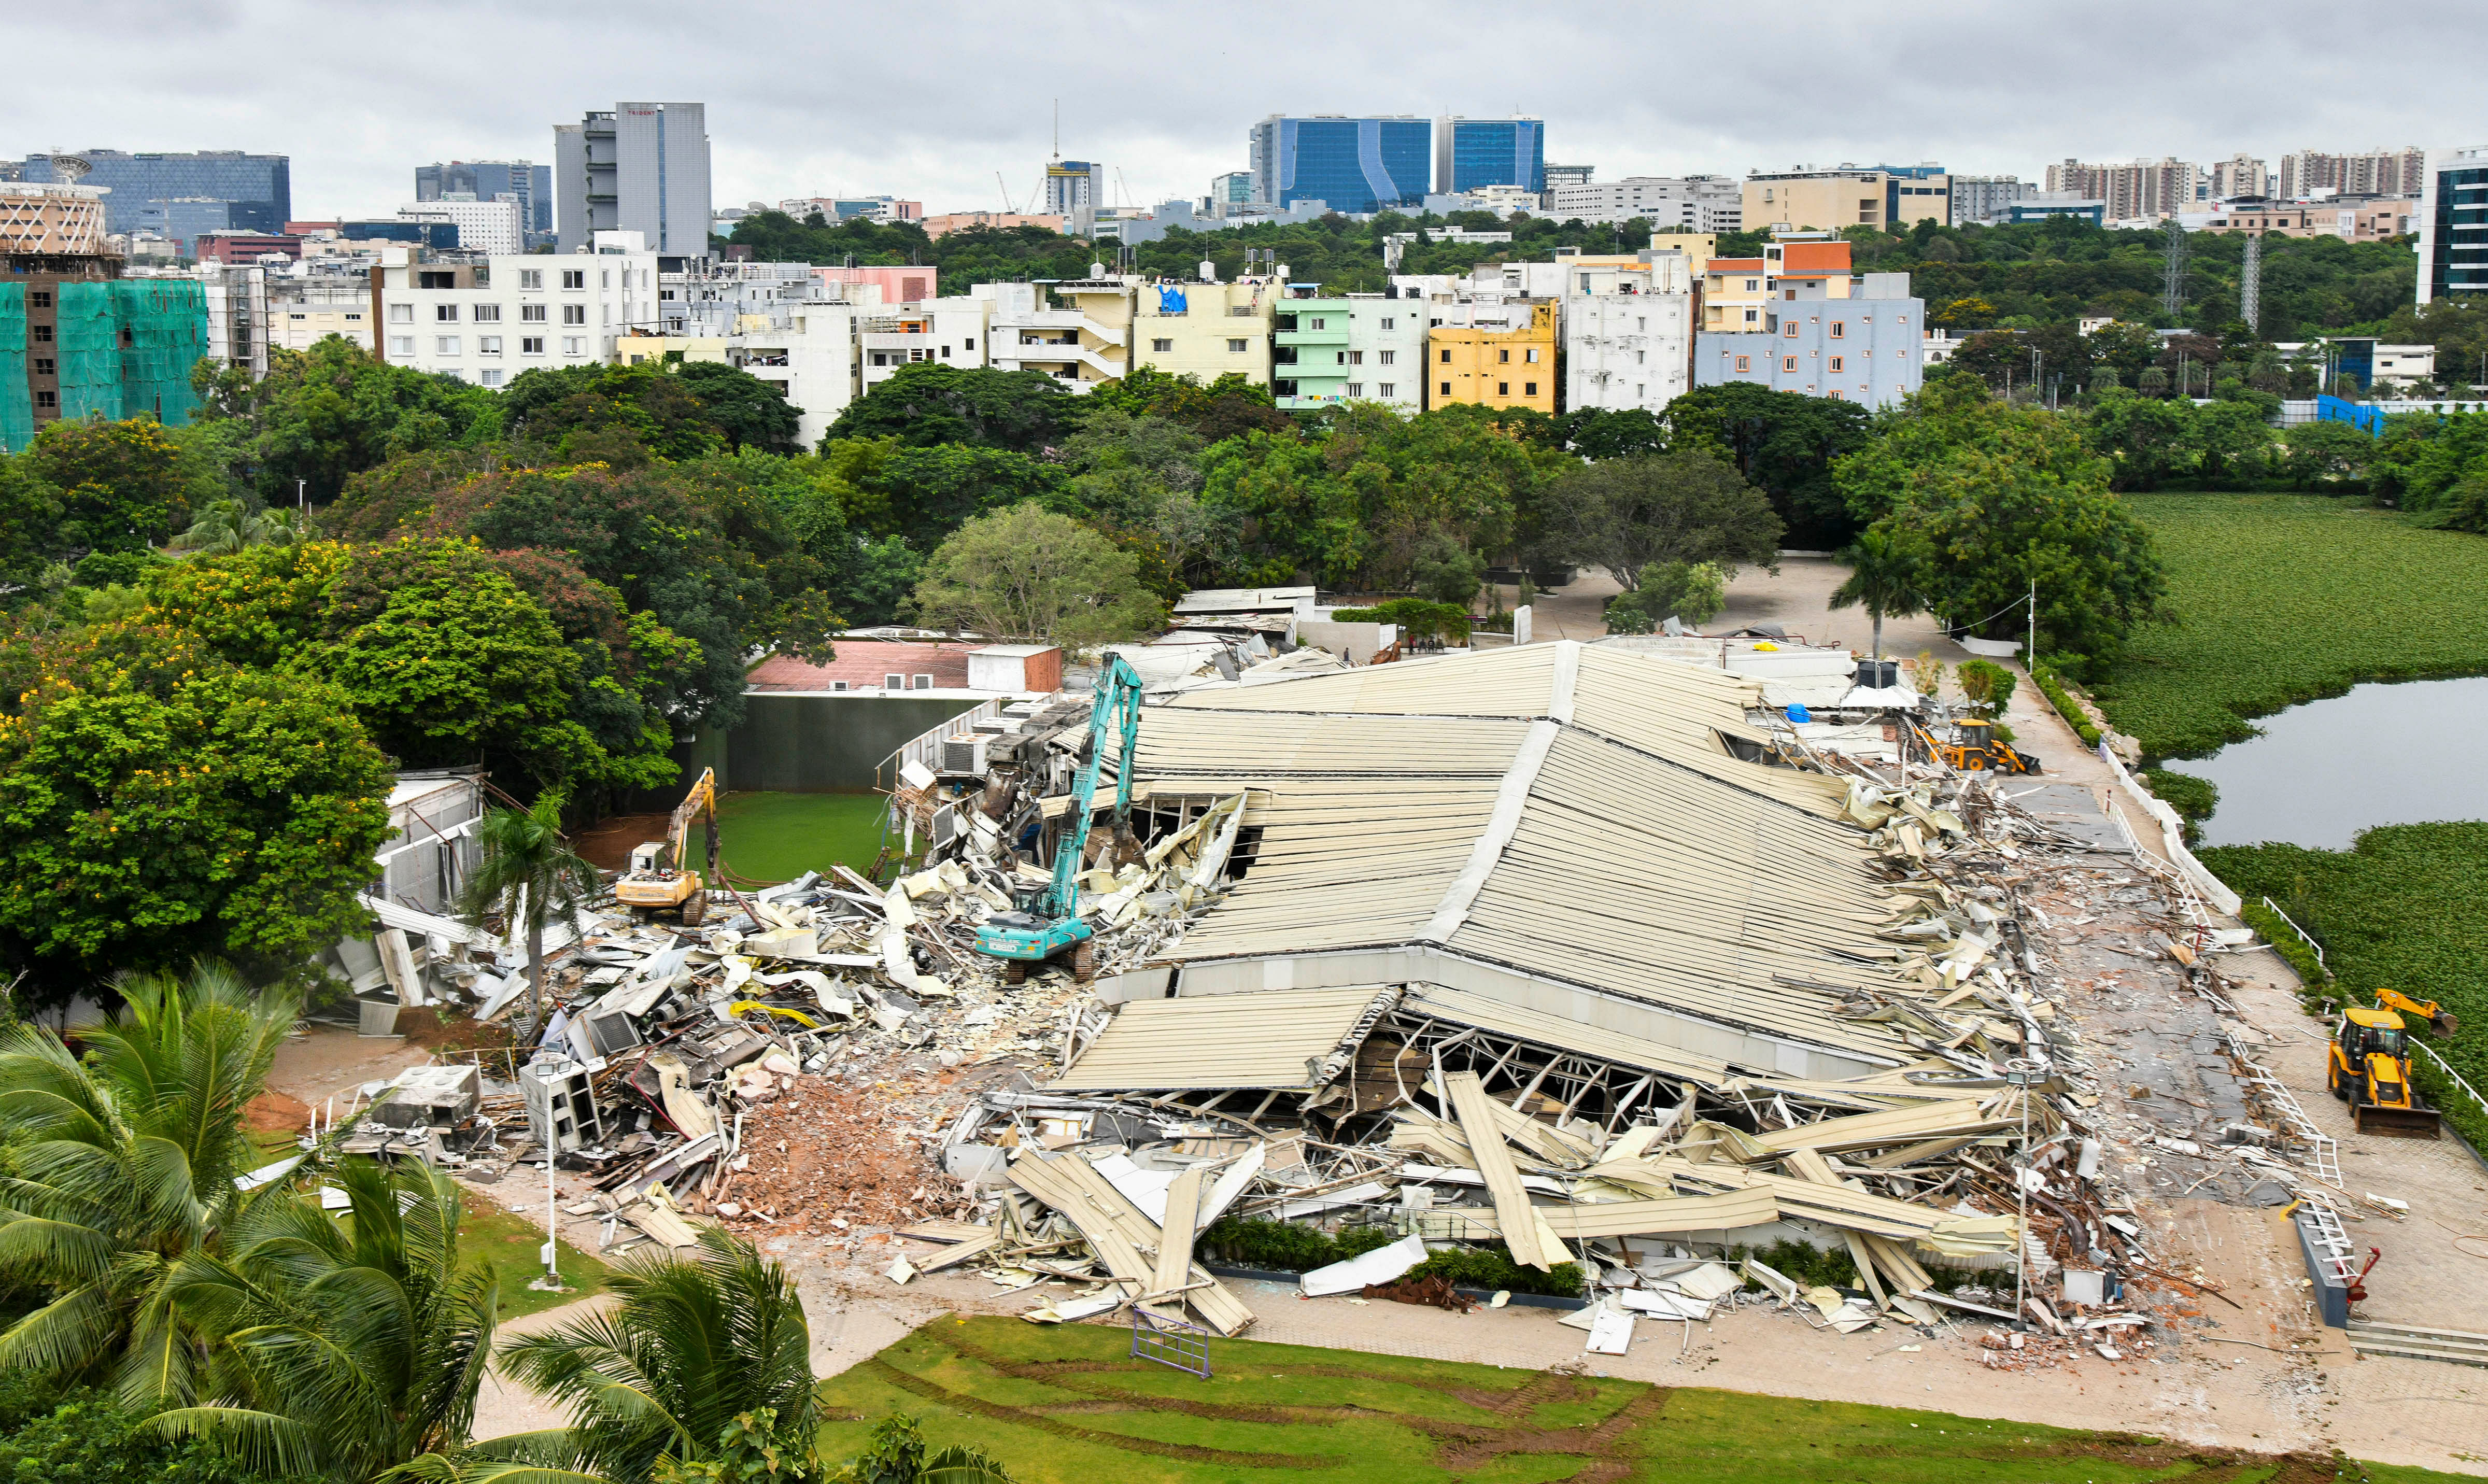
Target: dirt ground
[1799, 599]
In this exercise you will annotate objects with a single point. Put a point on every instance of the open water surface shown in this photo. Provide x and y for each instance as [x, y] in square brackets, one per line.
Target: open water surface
[2401, 752]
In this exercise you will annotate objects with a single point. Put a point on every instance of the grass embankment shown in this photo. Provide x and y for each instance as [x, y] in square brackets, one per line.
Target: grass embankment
[2399, 909]
[777, 837]
[1065, 1404]
[2289, 598]
[510, 1242]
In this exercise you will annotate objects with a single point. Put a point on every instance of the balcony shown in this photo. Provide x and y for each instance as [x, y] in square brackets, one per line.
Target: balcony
[1333, 335]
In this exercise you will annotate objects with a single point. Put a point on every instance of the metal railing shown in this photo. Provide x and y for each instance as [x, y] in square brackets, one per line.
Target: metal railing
[2443, 1066]
[2274, 908]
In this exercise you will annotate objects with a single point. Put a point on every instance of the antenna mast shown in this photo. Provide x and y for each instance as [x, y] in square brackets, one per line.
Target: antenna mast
[1058, 131]
[2172, 288]
[2250, 285]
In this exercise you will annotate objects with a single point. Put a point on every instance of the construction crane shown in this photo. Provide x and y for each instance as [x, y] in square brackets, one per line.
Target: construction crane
[2368, 1066]
[1049, 923]
[659, 880]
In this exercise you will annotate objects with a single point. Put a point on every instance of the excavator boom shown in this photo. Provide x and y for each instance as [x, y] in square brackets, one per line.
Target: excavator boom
[661, 875]
[2441, 1020]
[1053, 923]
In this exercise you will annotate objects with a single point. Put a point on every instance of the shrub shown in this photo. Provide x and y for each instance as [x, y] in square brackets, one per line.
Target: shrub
[1988, 685]
[1491, 1268]
[2193, 798]
[1417, 617]
[2053, 688]
[1691, 592]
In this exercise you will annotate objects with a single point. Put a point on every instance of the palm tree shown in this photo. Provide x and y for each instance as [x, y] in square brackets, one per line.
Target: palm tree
[224, 526]
[1881, 572]
[124, 1167]
[695, 1356]
[342, 1349]
[529, 879]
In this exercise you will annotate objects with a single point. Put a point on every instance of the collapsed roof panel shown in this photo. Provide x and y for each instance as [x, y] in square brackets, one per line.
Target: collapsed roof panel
[1282, 1038]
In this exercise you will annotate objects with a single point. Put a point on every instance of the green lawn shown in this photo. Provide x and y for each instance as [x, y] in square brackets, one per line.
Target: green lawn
[1065, 1404]
[777, 837]
[2287, 598]
[509, 1243]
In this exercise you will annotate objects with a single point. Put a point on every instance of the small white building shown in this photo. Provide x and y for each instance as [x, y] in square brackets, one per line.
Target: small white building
[490, 227]
[950, 332]
[486, 323]
[302, 312]
[1627, 332]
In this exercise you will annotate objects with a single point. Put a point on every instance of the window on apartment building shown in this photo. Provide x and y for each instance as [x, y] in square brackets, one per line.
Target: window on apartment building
[401, 345]
[1387, 389]
[1530, 354]
[1839, 329]
[1503, 388]
[1238, 347]
[893, 682]
[297, 316]
[1752, 284]
[577, 314]
[1503, 356]
[968, 343]
[1641, 357]
[1447, 389]
[1357, 359]
[490, 377]
[488, 345]
[1836, 396]
[1447, 359]
[573, 278]
[1744, 363]
[1641, 389]
[1529, 389]
[1386, 357]
[1788, 362]
[1161, 347]
[1643, 321]
[1752, 316]
[1355, 389]
[400, 314]
[444, 345]
[923, 682]
[532, 314]
[40, 298]
[945, 352]
[1317, 323]
[1900, 320]
[43, 334]
[355, 317]
[1838, 362]
[488, 314]
[881, 357]
[573, 345]
[1339, 357]
[531, 278]
[604, 279]
[1791, 328]
[531, 345]
[1388, 323]
[436, 280]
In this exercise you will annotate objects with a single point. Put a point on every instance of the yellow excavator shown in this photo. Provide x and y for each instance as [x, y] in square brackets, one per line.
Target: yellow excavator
[658, 880]
[1979, 751]
[2368, 1066]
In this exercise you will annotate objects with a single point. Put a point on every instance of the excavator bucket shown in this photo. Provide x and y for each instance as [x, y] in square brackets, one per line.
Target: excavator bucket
[2412, 1122]
[2443, 1022]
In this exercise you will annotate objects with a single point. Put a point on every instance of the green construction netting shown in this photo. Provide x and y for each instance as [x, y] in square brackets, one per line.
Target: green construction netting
[17, 402]
[165, 325]
[127, 348]
[90, 350]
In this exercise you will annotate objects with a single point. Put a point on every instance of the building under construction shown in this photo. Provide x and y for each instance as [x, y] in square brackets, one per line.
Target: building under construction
[75, 337]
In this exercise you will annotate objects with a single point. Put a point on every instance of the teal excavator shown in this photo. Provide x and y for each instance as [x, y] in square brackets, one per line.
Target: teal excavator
[1049, 923]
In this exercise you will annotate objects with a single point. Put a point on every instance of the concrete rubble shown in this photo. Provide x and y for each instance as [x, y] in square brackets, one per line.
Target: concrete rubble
[832, 1057]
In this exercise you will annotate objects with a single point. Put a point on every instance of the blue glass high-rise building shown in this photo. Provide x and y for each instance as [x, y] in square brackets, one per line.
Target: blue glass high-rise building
[1354, 165]
[490, 179]
[182, 195]
[1470, 153]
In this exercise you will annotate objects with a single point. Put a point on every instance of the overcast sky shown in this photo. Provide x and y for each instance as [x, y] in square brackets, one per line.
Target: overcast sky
[929, 100]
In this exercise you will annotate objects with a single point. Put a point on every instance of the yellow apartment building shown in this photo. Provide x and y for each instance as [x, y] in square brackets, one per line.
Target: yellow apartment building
[1085, 344]
[1491, 354]
[1205, 329]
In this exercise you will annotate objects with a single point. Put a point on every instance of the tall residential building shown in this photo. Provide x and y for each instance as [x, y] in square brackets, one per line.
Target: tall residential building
[1698, 203]
[1984, 198]
[2239, 176]
[642, 167]
[1073, 186]
[490, 179]
[486, 323]
[1892, 197]
[1331, 351]
[2452, 248]
[2132, 189]
[1474, 153]
[76, 338]
[1628, 329]
[177, 196]
[483, 226]
[1353, 165]
[2378, 172]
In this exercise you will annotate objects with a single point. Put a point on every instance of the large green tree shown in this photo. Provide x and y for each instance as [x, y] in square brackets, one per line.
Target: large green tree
[158, 802]
[1026, 573]
[929, 403]
[1628, 515]
[1785, 444]
[325, 413]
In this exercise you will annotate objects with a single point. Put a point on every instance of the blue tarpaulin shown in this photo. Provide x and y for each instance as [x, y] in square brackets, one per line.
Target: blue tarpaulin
[1170, 299]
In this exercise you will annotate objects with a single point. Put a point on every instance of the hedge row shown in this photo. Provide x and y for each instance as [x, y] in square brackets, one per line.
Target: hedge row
[2054, 690]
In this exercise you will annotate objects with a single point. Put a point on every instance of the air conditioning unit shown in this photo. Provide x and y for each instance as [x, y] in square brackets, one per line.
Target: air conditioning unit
[964, 754]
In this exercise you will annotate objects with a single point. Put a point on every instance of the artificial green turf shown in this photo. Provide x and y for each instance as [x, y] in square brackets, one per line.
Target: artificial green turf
[777, 837]
[1090, 1415]
[510, 1242]
[2399, 908]
[2287, 598]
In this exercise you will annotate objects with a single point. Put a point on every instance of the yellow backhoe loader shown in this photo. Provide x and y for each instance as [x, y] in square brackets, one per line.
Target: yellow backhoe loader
[658, 880]
[1979, 749]
[2368, 1066]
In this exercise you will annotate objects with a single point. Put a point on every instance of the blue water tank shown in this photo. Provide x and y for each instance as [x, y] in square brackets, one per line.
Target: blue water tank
[1799, 714]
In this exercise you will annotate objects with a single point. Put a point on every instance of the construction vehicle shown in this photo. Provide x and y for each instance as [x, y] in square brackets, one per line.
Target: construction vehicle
[1977, 750]
[658, 880]
[1048, 923]
[2368, 1066]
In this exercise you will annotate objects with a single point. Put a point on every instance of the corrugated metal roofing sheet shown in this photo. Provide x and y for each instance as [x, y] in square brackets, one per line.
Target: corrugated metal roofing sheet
[1273, 1038]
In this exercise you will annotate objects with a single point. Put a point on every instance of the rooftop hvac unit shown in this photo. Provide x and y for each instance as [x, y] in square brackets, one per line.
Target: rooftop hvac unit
[561, 1111]
[964, 754]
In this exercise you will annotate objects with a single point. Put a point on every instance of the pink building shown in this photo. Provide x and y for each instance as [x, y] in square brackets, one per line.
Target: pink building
[897, 285]
[960, 221]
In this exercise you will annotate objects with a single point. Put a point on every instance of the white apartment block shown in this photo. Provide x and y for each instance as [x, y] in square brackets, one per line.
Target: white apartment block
[1697, 203]
[303, 312]
[1347, 348]
[236, 302]
[487, 323]
[493, 227]
[1081, 346]
[809, 356]
[948, 332]
[1627, 332]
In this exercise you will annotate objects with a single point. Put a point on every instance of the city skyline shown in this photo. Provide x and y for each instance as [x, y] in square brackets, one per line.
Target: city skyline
[1166, 108]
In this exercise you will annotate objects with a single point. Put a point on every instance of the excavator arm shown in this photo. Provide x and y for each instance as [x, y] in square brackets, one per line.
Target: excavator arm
[2439, 1019]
